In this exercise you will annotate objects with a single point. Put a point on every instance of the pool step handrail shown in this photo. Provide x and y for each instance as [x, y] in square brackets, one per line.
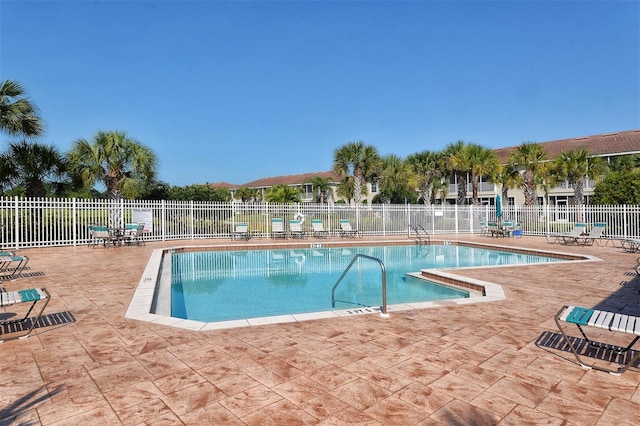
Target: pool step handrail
[384, 281]
[417, 229]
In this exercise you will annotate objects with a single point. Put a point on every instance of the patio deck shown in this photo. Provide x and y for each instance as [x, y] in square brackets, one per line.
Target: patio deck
[482, 364]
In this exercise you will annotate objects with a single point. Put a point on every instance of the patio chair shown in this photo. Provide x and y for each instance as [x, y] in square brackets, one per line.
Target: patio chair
[277, 228]
[295, 229]
[494, 230]
[484, 229]
[318, 228]
[11, 266]
[241, 232]
[25, 325]
[346, 230]
[99, 234]
[507, 228]
[133, 233]
[557, 237]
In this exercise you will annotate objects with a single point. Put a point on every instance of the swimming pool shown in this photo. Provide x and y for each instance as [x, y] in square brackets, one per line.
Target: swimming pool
[212, 286]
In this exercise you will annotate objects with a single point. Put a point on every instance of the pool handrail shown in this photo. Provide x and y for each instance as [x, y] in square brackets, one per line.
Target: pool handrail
[384, 282]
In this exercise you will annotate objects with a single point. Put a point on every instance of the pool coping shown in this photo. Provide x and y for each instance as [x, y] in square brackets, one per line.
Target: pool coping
[144, 301]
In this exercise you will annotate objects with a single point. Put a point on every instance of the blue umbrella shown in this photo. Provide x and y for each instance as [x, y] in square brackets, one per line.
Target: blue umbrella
[498, 207]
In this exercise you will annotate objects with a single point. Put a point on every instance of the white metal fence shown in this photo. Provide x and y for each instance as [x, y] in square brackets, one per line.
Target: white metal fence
[62, 222]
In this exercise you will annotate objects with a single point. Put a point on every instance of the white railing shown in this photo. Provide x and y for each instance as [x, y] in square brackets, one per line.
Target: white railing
[62, 222]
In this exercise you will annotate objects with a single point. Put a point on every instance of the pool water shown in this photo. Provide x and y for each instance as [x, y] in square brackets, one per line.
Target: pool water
[231, 285]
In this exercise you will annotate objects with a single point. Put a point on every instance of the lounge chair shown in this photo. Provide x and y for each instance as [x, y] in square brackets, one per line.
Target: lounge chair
[318, 229]
[578, 229]
[484, 229]
[594, 234]
[602, 320]
[241, 232]
[11, 266]
[631, 246]
[277, 228]
[24, 325]
[346, 230]
[295, 229]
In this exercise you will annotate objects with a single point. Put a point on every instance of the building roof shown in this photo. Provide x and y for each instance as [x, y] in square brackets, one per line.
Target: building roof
[618, 143]
[226, 185]
[290, 179]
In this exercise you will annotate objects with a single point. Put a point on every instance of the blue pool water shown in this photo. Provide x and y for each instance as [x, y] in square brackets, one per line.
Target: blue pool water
[230, 285]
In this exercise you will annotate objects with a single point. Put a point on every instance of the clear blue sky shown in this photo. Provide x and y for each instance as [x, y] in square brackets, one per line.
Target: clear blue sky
[240, 90]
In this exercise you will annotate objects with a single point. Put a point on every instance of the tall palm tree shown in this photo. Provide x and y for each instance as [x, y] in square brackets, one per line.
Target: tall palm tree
[458, 161]
[118, 161]
[33, 167]
[359, 161]
[529, 157]
[321, 188]
[18, 115]
[425, 165]
[483, 162]
[575, 167]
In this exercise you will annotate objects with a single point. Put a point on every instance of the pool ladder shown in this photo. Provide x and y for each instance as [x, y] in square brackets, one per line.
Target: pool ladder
[383, 313]
[417, 229]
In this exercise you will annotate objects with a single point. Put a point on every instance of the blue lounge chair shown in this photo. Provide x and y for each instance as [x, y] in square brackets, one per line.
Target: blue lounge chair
[21, 328]
[242, 231]
[277, 228]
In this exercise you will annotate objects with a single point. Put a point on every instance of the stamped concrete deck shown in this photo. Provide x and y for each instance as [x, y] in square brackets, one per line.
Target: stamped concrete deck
[481, 364]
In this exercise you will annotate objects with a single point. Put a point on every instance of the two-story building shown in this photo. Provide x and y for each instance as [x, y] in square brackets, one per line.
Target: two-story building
[608, 146]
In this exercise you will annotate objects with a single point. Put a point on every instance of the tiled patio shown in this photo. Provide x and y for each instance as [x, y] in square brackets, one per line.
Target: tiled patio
[476, 364]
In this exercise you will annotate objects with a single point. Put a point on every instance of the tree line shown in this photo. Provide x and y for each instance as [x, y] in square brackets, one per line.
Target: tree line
[128, 169]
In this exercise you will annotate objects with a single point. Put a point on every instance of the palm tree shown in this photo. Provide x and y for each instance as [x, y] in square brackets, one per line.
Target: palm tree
[18, 115]
[282, 194]
[530, 158]
[425, 166]
[625, 163]
[121, 163]
[575, 167]
[359, 161]
[247, 194]
[507, 177]
[33, 167]
[321, 188]
[458, 161]
[483, 162]
[113, 158]
[396, 179]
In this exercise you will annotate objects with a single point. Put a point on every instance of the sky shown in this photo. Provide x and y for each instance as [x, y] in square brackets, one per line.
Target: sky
[234, 91]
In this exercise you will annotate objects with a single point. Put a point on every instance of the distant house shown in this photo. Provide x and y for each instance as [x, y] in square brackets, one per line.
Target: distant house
[608, 146]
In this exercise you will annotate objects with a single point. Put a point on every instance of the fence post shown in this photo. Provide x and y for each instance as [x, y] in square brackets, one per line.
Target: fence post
[163, 215]
[16, 223]
[74, 221]
[192, 222]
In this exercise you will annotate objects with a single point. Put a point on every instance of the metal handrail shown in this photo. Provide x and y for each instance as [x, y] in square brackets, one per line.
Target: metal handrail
[384, 282]
[417, 228]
